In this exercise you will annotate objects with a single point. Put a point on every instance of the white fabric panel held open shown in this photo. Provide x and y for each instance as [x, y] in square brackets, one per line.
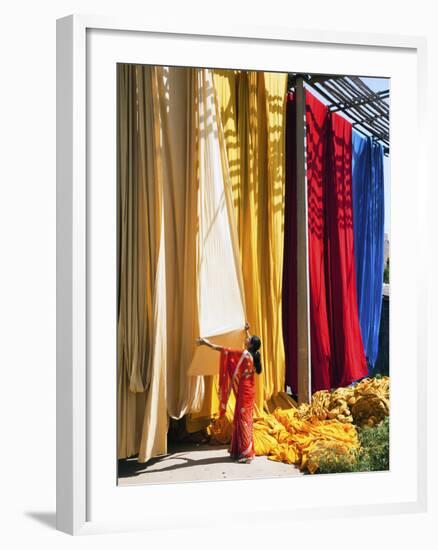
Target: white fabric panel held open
[221, 304]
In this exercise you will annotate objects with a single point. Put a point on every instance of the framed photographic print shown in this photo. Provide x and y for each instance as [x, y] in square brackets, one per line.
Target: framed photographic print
[235, 272]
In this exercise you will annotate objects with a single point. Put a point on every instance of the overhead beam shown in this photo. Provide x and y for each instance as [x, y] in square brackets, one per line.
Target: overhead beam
[357, 102]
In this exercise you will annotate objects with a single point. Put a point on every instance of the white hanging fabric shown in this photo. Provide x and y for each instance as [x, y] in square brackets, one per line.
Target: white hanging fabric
[221, 304]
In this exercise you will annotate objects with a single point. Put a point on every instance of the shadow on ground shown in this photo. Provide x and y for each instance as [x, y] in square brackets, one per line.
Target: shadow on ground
[46, 518]
[131, 468]
[199, 462]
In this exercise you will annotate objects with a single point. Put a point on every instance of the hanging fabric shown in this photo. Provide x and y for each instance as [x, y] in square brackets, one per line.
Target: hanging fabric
[318, 189]
[224, 86]
[337, 356]
[289, 290]
[174, 157]
[320, 344]
[221, 304]
[253, 103]
[349, 363]
[141, 296]
[179, 90]
[275, 85]
[252, 107]
[368, 206]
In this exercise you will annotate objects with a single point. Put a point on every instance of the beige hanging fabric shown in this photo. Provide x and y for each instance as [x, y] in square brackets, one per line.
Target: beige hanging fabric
[180, 192]
[141, 296]
[199, 195]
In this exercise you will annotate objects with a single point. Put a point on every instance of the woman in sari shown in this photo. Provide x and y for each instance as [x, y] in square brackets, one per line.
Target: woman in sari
[237, 368]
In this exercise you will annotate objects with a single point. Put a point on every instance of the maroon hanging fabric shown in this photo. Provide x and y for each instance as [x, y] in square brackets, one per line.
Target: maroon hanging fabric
[289, 290]
[316, 141]
[349, 362]
[337, 352]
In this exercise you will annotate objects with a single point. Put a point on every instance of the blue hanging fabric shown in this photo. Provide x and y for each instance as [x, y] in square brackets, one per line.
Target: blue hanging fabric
[368, 220]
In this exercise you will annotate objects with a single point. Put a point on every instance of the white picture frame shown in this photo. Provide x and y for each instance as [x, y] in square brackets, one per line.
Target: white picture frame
[80, 496]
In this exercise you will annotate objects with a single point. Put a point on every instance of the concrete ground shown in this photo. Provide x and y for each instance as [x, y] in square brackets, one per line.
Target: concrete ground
[199, 462]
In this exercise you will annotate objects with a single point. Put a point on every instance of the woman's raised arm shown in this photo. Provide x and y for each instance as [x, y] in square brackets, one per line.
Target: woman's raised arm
[205, 342]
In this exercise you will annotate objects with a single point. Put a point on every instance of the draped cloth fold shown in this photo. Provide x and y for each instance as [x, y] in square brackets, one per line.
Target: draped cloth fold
[337, 354]
[320, 340]
[221, 302]
[158, 313]
[252, 111]
[318, 190]
[349, 362]
[141, 296]
[178, 251]
[199, 175]
[289, 283]
[178, 87]
[369, 211]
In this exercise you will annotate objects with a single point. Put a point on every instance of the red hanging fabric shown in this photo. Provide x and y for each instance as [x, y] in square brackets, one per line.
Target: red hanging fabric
[316, 141]
[349, 362]
[337, 352]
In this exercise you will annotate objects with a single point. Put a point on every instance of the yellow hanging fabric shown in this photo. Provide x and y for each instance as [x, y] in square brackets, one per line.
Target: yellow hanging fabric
[225, 83]
[260, 212]
[251, 106]
[141, 319]
[275, 97]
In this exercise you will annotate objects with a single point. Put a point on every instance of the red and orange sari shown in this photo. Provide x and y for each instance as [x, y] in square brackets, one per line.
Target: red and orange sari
[237, 374]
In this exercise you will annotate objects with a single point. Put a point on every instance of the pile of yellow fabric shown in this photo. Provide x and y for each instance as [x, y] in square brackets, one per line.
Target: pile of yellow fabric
[303, 435]
[284, 437]
[302, 442]
[371, 401]
[366, 403]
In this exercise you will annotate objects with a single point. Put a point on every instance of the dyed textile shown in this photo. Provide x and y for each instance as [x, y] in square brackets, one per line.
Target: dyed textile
[302, 435]
[316, 143]
[141, 328]
[337, 356]
[348, 357]
[178, 251]
[302, 442]
[318, 189]
[289, 290]
[220, 297]
[369, 212]
[255, 103]
[237, 375]
[284, 436]
[178, 148]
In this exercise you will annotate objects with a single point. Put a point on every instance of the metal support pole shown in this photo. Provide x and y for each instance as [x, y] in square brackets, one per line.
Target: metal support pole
[303, 292]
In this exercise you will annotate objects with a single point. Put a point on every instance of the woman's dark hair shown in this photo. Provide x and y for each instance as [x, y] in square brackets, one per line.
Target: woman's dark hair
[253, 348]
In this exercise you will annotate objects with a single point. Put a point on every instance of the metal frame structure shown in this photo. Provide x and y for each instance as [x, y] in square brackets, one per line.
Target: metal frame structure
[367, 110]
